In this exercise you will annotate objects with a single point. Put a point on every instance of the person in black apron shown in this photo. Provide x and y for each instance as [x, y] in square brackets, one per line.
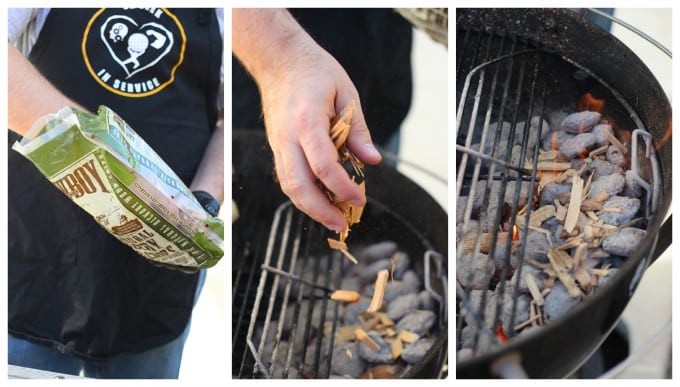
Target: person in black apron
[305, 65]
[80, 301]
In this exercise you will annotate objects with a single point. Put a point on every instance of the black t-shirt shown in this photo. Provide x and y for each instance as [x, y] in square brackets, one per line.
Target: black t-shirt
[374, 47]
[72, 285]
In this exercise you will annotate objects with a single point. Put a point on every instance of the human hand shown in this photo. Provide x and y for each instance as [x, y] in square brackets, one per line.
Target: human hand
[302, 88]
[298, 105]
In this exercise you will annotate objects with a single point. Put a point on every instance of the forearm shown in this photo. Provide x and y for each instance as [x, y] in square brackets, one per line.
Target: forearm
[30, 95]
[210, 174]
[267, 41]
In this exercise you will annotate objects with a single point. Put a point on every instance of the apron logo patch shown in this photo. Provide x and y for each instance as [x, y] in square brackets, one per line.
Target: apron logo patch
[135, 47]
[133, 52]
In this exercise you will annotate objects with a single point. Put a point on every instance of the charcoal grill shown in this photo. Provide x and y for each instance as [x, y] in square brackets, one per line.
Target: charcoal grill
[273, 243]
[516, 64]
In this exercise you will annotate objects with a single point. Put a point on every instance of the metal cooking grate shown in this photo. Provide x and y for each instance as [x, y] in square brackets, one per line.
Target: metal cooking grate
[287, 314]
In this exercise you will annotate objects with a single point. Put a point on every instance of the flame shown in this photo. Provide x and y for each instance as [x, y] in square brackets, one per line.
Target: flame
[501, 335]
[588, 102]
[515, 233]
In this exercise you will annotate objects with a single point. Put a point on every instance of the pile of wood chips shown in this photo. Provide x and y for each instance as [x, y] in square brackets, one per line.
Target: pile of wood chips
[340, 127]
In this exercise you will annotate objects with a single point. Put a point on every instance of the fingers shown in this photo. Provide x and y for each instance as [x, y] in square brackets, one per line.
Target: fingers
[299, 184]
[359, 140]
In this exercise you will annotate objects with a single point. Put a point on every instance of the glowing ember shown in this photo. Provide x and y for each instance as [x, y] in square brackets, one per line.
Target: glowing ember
[588, 102]
[501, 335]
[515, 233]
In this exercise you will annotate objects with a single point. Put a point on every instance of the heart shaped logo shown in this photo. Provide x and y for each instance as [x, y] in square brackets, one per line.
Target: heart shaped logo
[135, 47]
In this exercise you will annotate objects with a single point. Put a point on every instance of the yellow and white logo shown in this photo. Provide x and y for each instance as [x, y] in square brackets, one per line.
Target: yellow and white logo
[133, 52]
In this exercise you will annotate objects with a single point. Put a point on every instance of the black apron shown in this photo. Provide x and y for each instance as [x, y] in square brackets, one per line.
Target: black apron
[71, 284]
[373, 46]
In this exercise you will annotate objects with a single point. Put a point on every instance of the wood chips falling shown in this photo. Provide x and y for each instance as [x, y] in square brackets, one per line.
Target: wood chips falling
[340, 127]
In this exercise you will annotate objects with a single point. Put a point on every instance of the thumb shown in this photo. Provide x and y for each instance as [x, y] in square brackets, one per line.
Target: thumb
[359, 139]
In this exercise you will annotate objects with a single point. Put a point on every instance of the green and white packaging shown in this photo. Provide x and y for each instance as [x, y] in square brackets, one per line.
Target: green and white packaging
[101, 163]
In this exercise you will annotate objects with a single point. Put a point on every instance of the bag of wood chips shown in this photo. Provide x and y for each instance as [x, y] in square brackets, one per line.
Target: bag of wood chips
[107, 169]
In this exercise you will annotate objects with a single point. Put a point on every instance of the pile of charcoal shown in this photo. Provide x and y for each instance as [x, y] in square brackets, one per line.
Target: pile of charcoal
[365, 345]
[573, 226]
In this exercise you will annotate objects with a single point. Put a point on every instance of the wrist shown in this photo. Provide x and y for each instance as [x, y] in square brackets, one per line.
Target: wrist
[208, 202]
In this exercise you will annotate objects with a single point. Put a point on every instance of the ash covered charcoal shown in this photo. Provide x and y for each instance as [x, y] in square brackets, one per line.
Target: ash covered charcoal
[383, 355]
[558, 302]
[346, 360]
[602, 168]
[352, 312]
[552, 191]
[351, 283]
[606, 186]
[577, 145]
[485, 339]
[368, 273]
[516, 155]
[632, 188]
[615, 156]
[415, 352]
[501, 150]
[312, 368]
[501, 257]
[554, 140]
[610, 273]
[624, 241]
[376, 251]
[494, 193]
[625, 209]
[602, 133]
[418, 322]
[536, 246]
[556, 227]
[427, 302]
[555, 118]
[474, 272]
[403, 305]
[580, 122]
[529, 269]
[535, 132]
[521, 309]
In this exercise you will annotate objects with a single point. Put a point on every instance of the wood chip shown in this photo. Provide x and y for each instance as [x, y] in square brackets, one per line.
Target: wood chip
[561, 262]
[583, 278]
[342, 247]
[348, 296]
[580, 254]
[408, 336]
[533, 289]
[372, 323]
[541, 215]
[366, 339]
[397, 348]
[485, 240]
[345, 333]
[548, 166]
[378, 291]
[615, 141]
[599, 151]
[574, 208]
[385, 320]
[384, 371]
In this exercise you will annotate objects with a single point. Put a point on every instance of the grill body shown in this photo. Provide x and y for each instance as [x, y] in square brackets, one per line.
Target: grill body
[513, 64]
[271, 231]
